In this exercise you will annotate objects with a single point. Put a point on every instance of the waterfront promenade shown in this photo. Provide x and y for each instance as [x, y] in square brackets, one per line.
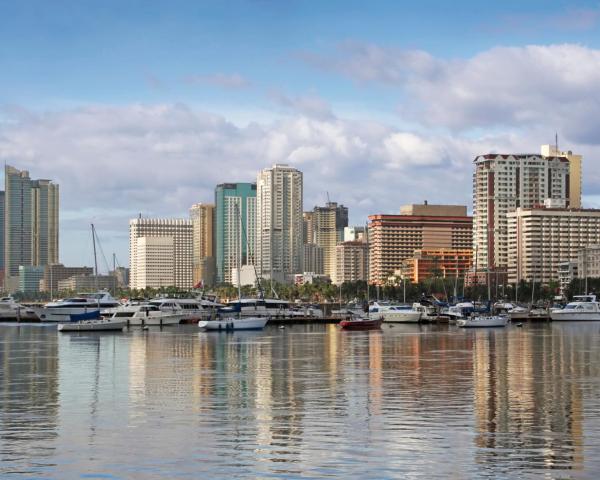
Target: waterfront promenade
[307, 401]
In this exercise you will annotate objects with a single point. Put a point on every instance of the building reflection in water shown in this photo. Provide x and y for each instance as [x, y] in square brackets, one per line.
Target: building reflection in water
[29, 396]
[527, 397]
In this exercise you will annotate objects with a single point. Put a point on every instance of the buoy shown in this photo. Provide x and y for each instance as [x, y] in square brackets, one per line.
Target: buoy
[281, 327]
[519, 324]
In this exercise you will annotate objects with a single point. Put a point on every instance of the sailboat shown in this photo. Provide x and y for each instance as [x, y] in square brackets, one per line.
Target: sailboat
[236, 322]
[358, 322]
[83, 320]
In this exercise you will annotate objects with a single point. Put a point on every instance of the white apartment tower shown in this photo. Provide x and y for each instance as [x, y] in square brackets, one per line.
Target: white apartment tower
[148, 257]
[279, 222]
[503, 183]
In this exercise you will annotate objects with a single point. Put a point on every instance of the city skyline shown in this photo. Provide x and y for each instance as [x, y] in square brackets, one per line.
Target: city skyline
[363, 112]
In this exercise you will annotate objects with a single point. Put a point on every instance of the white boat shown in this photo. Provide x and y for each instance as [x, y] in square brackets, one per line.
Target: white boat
[103, 324]
[483, 321]
[257, 307]
[428, 312]
[11, 310]
[519, 313]
[146, 315]
[231, 323]
[395, 313]
[62, 310]
[582, 308]
[311, 311]
[458, 311]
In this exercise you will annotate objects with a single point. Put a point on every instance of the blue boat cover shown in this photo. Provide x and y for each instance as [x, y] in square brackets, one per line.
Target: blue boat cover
[91, 315]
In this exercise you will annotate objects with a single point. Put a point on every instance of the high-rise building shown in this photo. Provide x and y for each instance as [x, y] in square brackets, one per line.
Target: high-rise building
[541, 238]
[502, 183]
[307, 228]
[29, 278]
[279, 222]
[56, 272]
[574, 172]
[326, 235]
[30, 223]
[313, 259]
[169, 260]
[235, 207]
[202, 216]
[351, 261]
[2, 206]
[588, 262]
[394, 238]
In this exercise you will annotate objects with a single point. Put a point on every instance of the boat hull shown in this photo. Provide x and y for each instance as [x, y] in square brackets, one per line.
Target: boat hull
[91, 326]
[480, 322]
[398, 316]
[155, 321]
[61, 314]
[361, 324]
[228, 324]
[561, 315]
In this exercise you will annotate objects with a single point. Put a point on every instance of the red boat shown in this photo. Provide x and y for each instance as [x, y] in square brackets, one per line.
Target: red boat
[358, 323]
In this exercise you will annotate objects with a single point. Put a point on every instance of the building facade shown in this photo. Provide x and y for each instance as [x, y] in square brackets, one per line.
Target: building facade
[325, 234]
[30, 223]
[312, 260]
[172, 254]
[394, 238]
[235, 228]
[588, 261]
[279, 222]
[351, 262]
[437, 263]
[502, 183]
[540, 239]
[56, 272]
[202, 216]
[88, 283]
[29, 279]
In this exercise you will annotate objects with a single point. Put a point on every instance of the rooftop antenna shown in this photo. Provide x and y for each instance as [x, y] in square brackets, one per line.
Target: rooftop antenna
[556, 143]
[328, 200]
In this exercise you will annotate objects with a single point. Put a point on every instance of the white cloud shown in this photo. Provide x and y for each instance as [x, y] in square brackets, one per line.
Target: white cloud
[509, 87]
[113, 162]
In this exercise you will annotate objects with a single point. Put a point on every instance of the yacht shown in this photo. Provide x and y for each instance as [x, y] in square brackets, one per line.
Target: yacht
[147, 315]
[519, 313]
[257, 307]
[583, 307]
[395, 313]
[191, 310]
[429, 313]
[62, 310]
[11, 310]
[458, 311]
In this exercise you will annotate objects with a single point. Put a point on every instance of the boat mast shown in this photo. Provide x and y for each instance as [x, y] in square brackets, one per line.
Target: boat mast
[95, 256]
[368, 264]
[239, 262]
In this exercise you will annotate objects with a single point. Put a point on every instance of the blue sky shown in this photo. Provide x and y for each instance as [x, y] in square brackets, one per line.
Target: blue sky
[140, 106]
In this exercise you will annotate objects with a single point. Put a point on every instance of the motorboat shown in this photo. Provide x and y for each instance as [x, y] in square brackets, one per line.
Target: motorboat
[147, 315]
[361, 323]
[519, 313]
[458, 311]
[190, 310]
[257, 307]
[399, 314]
[582, 308]
[61, 310]
[483, 321]
[232, 323]
[12, 310]
[429, 313]
[84, 322]
[310, 311]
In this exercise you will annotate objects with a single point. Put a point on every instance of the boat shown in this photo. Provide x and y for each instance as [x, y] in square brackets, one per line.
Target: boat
[360, 323]
[582, 308]
[232, 323]
[146, 315]
[257, 307]
[519, 313]
[61, 310]
[12, 310]
[98, 325]
[395, 313]
[429, 313]
[483, 321]
[232, 318]
[455, 312]
[306, 311]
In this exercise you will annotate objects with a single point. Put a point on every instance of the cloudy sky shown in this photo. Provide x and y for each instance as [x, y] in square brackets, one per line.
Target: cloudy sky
[144, 106]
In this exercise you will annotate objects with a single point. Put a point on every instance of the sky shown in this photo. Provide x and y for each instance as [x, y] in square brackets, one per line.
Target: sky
[144, 106]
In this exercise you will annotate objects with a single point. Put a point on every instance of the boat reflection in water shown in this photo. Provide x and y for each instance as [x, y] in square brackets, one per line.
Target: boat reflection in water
[308, 400]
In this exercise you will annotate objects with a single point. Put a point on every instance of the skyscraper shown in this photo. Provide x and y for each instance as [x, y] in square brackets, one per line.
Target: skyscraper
[202, 216]
[279, 222]
[168, 260]
[30, 223]
[232, 201]
[503, 183]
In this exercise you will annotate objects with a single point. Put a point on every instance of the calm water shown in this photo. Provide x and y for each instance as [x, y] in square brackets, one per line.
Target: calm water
[406, 402]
